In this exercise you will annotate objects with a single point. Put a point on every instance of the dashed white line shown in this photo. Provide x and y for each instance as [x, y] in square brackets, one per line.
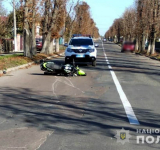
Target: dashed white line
[126, 104]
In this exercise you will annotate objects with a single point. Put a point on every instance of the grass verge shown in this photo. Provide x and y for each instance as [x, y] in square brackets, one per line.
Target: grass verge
[13, 60]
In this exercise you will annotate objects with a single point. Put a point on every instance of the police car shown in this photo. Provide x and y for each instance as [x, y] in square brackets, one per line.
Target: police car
[81, 48]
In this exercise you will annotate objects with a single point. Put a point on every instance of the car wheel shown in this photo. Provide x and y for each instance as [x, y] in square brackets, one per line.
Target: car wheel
[94, 63]
[67, 61]
[122, 50]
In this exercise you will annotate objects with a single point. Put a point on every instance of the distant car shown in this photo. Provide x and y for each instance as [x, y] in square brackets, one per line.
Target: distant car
[39, 44]
[128, 47]
[96, 44]
[104, 40]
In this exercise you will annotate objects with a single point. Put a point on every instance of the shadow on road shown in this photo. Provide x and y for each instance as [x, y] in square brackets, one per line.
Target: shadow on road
[67, 114]
[126, 63]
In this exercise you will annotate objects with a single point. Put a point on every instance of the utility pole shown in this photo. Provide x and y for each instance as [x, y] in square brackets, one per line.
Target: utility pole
[15, 28]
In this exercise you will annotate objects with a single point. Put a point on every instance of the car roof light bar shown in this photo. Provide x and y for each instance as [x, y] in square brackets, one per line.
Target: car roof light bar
[81, 35]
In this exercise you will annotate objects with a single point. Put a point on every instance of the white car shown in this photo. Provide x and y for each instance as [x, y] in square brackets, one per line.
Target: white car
[104, 40]
[81, 49]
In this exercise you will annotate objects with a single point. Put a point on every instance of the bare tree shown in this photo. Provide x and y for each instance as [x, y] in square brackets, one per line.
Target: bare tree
[3, 11]
[53, 20]
[155, 11]
[3, 21]
[52, 14]
[140, 23]
[70, 18]
[29, 27]
[84, 24]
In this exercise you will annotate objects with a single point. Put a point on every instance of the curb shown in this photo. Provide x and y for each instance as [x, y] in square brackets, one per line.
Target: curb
[153, 58]
[26, 65]
[19, 67]
[15, 68]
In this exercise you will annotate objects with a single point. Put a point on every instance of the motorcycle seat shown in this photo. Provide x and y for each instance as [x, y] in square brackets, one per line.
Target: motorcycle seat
[53, 66]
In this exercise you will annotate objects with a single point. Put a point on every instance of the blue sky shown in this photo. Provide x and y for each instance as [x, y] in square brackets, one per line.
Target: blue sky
[104, 12]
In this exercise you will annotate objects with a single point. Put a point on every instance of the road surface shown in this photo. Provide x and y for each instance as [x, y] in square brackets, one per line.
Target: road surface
[45, 112]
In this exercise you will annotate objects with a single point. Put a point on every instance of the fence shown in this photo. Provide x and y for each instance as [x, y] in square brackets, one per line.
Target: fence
[7, 45]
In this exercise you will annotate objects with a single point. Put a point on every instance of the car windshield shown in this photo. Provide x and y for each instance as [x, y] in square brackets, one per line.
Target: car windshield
[76, 42]
[38, 39]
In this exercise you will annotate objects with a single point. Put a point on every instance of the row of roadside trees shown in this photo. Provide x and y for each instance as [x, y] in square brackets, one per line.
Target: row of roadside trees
[139, 23]
[56, 18]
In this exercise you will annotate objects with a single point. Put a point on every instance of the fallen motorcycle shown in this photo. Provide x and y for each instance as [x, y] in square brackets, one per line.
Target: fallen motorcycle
[66, 70]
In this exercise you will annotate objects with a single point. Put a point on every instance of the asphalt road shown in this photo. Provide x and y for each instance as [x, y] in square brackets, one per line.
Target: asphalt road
[47, 112]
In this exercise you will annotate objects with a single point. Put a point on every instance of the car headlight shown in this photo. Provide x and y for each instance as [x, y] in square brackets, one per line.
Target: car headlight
[91, 50]
[69, 50]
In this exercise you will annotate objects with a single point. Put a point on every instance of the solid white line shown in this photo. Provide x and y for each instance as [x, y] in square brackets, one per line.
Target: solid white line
[126, 104]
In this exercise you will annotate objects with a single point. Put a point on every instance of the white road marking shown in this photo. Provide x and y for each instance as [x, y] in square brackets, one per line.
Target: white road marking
[43, 140]
[126, 104]
[66, 81]
[3, 121]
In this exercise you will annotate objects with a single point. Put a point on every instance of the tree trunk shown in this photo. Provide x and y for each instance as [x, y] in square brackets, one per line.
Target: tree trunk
[124, 39]
[139, 45]
[149, 47]
[70, 33]
[143, 42]
[33, 49]
[129, 37]
[46, 44]
[26, 32]
[51, 47]
[136, 44]
[118, 38]
[57, 45]
[153, 46]
[26, 43]
[0, 48]
[114, 39]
